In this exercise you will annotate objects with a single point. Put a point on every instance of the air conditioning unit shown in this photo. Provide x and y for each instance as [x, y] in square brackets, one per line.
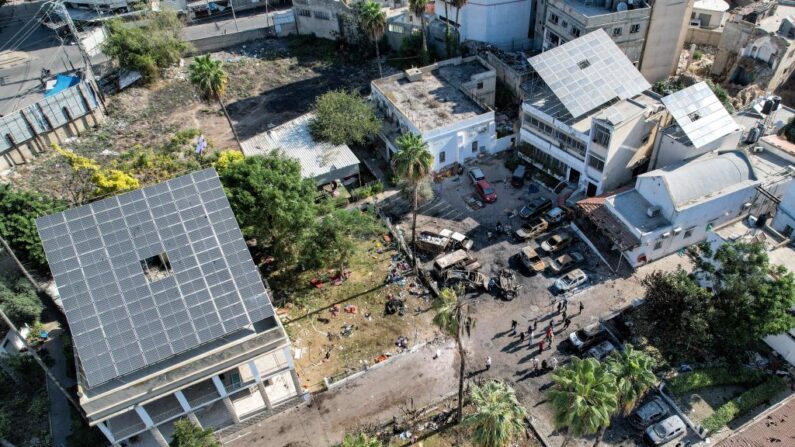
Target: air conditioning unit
[653, 211]
[757, 149]
[667, 234]
[677, 230]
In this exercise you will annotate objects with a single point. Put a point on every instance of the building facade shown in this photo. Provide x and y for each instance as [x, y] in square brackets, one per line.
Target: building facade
[168, 313]
[502, 23]
[447, 103]
[668, 26]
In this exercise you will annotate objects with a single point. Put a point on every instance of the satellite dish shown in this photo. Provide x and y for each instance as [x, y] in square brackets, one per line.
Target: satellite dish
[621, 7]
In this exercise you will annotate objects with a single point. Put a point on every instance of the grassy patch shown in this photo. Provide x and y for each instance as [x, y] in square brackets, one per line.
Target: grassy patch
[744, 403]
[687, 382]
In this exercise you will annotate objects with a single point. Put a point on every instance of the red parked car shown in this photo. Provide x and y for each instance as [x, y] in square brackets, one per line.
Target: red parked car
[486, 191]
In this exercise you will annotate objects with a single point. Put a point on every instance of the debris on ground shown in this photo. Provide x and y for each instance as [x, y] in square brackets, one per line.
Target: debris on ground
[346, 330]
[394, 306]
[402, 342]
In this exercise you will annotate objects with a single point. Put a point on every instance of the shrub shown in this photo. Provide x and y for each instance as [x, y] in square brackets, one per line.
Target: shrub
[704, 378]
[697, 55]
[744, 403]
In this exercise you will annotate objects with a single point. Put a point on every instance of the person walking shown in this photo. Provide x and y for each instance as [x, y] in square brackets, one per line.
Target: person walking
[581, 308]
[521, 337]
[563, 316]
[551, 323]
[534, 361]
[532, 334]
[566, 323]
[535, 323]
[560, 306]
[514, 323]
[551, 340]
[541, 346]
[549, 332]
[469, 326]
[554, 362]
[488, 363]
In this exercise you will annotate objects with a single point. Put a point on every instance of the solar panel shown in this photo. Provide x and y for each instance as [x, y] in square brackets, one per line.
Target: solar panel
[700, 114]
[152, 273]
[588, 72]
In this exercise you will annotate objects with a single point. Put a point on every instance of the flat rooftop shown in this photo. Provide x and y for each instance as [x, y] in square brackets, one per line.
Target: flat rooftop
[633, 206]
[773, 22]
[597, 7]
[750, 116]
[435, 99]
[768, 166]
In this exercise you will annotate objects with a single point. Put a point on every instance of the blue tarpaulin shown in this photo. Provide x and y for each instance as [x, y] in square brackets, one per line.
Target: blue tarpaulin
[62, 82]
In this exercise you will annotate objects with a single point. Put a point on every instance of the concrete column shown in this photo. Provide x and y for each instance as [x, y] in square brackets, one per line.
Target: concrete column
[183, 402]
[230, 407]
[261, 386]
[106, 431]
[142, 413]
[296, 381]
[192, 417]
[219, 386]
[159, 438]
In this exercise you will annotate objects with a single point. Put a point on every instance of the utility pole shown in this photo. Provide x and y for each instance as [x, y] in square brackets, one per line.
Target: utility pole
[19, 264]
[234, 17]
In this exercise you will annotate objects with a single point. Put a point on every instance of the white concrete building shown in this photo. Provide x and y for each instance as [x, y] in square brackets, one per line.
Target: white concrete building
[674, 207]
[323, 162]
[709, 14]
[701, 124]
[784, 222]
[589, 118]
[503, 23]
[168, 313]
[447, 103]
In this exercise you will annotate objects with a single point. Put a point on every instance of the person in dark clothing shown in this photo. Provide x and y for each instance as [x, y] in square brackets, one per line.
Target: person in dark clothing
[566, 323]
[551, 323]
[543, 365]
[535, 324]
[560, 306]
[514, 323]
[521, 337]
[581, 307]
[469, 326]
[563, 317]
[541, 346]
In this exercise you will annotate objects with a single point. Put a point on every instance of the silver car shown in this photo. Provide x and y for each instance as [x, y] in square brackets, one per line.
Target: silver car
[601, 350]
[649, 413]
[665, 431]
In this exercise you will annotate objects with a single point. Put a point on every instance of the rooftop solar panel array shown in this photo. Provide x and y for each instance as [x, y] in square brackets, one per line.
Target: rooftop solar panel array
[700, 114]
[588, 72]
[123, 320]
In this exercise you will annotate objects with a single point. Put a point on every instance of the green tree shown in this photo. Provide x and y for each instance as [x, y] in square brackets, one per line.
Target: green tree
[451, 317]
[209, 78]
[412, 162]
[418, 9]
[360, 440]
[147, 46]
[634, 375]
[752, 298]
[90, 180]
[341, 117]
[331, 242]
[583, 398]
[372, 20]
[788, 131]
[19, 301]
[18, 211]
[676, 314]
[188, 434]
[271, 201]
[498, 419]
[722, 95]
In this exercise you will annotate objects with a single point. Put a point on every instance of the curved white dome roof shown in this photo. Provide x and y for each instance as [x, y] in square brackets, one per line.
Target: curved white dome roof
[711, 5]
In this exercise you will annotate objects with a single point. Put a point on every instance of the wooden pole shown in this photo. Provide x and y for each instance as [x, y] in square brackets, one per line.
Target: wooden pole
[19, 264]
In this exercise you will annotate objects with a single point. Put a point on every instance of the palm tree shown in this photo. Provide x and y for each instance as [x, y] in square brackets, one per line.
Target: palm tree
[418, 8]
[458, 5]
[413, 163]
[583, 398]
[446, 28]
[360, 440]
[498, 418]
[209, 78]
[373, 21]
[634, 376]
[451, 316]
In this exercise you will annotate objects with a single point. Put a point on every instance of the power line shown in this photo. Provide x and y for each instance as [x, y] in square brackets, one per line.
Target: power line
[34, 20]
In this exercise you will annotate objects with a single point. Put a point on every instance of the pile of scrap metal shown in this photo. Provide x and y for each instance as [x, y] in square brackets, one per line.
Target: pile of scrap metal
[457, 260]
[470, 280]
[505, 284]
[437, 242]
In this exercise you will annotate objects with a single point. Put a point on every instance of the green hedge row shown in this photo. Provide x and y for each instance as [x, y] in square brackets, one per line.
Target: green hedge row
[744, 403]
[703, 378]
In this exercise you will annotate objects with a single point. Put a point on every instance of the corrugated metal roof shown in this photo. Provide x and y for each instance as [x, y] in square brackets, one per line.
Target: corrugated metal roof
[295, 140]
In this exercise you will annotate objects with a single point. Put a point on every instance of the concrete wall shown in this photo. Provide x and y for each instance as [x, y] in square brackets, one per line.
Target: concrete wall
[284, 24]
[498, 22]
[710, 19]
[700, 36]
[321, 18]
[670, 151]
[456, 141]
[785, 215]
[401, 27]
[666, 36]
[508, 76]
[626, 139]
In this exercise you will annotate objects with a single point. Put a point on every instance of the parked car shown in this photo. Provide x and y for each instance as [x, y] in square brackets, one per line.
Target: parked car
[459, 259]
[570, 281]
[565, 262]
[536, 206]
[532, 229]
[556, 215]
[517, 178]
[476, 175]
[585, 338]
[665, 431]
[486, 191]
[602, 350]
[532, 260]
[556, 242]
[648, 413]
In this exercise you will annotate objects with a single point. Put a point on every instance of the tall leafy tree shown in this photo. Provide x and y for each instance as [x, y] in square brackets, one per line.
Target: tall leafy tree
[209, 78]
[372, 20]
[188, 434]
[19, 301]
[634, 375]
[18, 211]
[271, 201]
[418, 9]
[583, 398]
[331, 242]
[413, 162]
[498, 419]
[360, 440]
[451, 317]
[342, 117]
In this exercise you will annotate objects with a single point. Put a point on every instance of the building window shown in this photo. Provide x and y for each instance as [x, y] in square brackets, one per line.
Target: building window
[542, 160]
[634, 29]
[553, 18]
[474, 146]
[596, 162]
[688, 233]
[441, 157]
[322, 15]
[601, 135]
[658, 245]
[397, 29]
[575, 32]
[564, 24]
[616, 32]
[480, 85]
[304, 13]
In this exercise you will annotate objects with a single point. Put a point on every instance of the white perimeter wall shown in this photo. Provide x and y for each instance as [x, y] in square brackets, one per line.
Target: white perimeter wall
[494, 21]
